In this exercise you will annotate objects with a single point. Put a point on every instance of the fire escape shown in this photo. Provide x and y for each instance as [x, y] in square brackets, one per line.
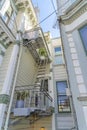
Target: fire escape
[38, 102]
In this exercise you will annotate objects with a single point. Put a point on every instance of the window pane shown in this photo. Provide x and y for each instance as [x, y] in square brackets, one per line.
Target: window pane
[58, 59]
[63, 104]
[83, 33]
[61, 87]
[57, 49]
[5, 18]
[62, 98]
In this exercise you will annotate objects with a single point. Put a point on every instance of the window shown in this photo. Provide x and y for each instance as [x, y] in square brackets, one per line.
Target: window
[1, 3]
[62, 98]
[44, 84]
[44, 87]
[5, 17]
[11, 23]
[58, 50]
[58, 59]
[83, 34]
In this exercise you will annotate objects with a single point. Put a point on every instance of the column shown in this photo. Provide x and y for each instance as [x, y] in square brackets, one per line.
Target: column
[7, 83]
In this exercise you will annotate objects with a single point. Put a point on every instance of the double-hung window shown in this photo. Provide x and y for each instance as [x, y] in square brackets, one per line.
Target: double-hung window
[62, 98]
[58, 59]
[83, 34]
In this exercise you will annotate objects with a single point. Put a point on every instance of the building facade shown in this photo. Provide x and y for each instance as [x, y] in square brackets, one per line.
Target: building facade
[42, 80]
[73, 27]
[25, 78]
[65, 117]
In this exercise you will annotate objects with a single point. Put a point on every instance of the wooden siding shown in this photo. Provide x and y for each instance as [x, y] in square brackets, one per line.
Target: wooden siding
[4, 65]
[60, 73]
[27, 70]
[65, 122]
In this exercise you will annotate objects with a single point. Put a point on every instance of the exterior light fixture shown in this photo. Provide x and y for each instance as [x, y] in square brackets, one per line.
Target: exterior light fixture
[42, 128]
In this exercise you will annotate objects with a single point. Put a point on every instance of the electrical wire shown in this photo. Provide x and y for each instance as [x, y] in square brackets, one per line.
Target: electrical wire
[52, 2]
[54, 7]
[45, 18]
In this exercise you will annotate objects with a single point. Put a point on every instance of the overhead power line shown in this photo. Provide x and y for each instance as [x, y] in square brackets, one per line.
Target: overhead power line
[46, 18]
[52, 2]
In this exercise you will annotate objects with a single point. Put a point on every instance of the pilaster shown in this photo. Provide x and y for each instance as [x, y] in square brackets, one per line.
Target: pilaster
[6, 80]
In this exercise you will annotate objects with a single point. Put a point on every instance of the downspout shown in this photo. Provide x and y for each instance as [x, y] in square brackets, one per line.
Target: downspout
[14, 84]
[59, 21]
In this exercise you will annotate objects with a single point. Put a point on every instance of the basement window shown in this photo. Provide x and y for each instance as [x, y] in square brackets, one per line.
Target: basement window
[83, 34]
[62, 98]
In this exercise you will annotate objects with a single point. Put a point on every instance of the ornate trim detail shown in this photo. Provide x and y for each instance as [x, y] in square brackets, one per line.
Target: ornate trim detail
[17, 42]
[74, 13]
[4, 98]
[2, 53]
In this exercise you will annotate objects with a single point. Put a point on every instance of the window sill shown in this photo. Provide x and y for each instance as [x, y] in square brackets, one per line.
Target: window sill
[59, 64]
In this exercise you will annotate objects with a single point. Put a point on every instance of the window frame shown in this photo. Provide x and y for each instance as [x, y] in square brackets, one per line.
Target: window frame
[56, 55]
[82, 38]
[62, 95]
[58, 51]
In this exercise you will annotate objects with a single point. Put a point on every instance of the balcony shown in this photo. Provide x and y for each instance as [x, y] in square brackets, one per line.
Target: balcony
[34, 39]
[33, 100]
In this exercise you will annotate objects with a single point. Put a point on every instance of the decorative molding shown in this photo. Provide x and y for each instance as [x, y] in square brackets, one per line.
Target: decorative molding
[4, 98]
[6, 29]
[17, 42]
[82, 98]
[14, 6]
[74, 13]
[2, 53]
[5, 46]
[51, 69]
[2, 3]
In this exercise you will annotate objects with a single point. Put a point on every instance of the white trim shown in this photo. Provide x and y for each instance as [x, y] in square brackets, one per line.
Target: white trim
[76, 23]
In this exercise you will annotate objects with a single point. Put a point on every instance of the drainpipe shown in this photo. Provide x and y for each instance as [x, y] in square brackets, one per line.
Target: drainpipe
[14, 84]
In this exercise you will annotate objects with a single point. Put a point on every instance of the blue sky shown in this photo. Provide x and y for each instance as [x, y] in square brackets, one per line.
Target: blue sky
[46, 8]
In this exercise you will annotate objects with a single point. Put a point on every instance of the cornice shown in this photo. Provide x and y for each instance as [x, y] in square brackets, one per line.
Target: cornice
[74, 13]
[7, 30]
[27, 7]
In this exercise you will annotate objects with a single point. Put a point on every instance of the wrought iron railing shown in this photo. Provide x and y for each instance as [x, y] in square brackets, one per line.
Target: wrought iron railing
[38, 35]
[33, 99]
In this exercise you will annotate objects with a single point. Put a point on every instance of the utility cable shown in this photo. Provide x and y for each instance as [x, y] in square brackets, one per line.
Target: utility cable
[52, 2]
[54, 7]
[45, 18]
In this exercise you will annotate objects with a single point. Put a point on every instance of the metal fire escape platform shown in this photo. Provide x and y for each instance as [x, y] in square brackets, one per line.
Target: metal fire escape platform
[34, 39]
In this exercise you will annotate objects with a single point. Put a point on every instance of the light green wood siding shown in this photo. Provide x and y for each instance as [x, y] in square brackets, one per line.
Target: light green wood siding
[27, 70]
